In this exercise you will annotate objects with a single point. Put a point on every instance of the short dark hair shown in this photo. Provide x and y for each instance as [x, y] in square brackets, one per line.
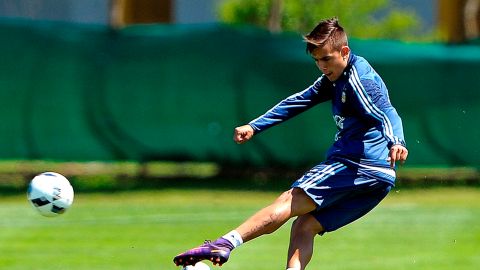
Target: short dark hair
[327, 31]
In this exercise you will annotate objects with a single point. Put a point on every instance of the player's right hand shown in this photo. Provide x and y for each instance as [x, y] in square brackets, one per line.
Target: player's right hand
[243, 134]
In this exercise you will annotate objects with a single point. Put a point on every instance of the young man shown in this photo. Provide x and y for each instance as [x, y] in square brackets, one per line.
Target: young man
[360, 167]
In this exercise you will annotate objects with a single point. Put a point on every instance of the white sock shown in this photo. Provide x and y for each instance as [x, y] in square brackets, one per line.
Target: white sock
[234, 238]
[292, 268]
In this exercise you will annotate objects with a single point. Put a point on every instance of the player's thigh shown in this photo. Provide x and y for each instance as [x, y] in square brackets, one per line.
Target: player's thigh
[352, 206]
[301, 202]
[295, 201]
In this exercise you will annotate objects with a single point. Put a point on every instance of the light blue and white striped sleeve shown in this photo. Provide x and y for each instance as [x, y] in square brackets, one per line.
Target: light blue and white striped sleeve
[375, 104]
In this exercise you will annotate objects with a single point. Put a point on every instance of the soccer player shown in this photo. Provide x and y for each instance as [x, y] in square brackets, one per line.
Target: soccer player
[359, 169]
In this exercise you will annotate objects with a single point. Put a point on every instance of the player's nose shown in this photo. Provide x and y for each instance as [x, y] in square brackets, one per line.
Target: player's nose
[321, 67]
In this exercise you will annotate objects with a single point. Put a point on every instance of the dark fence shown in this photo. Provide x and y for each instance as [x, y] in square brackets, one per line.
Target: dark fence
[167, 92]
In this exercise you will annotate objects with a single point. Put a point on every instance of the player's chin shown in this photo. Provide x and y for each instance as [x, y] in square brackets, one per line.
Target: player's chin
[331, 76]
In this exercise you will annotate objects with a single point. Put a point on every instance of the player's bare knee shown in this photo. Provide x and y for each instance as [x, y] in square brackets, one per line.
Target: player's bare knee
[291, 195]
[284, 201]
[285, 197]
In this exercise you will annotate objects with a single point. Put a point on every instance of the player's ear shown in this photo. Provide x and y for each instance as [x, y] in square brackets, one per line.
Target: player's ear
[344, 51]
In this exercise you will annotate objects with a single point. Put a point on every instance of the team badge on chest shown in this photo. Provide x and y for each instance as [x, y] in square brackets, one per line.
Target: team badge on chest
[344, 97]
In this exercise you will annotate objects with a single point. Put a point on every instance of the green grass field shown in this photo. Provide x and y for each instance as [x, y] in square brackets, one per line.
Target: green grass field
[412, 229]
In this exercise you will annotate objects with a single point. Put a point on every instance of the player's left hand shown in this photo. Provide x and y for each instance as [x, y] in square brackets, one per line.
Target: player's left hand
[397, 153]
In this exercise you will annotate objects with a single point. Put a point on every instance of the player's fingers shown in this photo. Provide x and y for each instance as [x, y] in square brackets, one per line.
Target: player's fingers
[392, 163]
[399, 155]
[237, 135]
[240, 137]
[241, 140]
[404, 155]
[393, 156]
[246, 137]
[242, 134]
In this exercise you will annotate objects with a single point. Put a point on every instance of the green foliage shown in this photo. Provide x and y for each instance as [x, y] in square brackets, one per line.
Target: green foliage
[361, 19]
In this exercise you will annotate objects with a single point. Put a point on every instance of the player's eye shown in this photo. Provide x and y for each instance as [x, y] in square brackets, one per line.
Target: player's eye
[323, 59]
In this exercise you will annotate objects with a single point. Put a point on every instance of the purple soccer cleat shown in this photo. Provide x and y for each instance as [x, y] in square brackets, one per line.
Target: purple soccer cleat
[217, 252]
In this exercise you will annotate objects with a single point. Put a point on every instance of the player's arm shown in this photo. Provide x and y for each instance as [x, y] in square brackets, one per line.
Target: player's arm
[398, 150]
[292, 106]
[375, 105]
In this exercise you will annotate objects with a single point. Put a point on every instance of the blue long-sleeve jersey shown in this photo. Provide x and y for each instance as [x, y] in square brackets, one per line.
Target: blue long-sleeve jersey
[368, 125]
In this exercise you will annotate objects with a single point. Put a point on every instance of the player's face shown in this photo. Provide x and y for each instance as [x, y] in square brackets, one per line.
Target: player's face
[330, 61]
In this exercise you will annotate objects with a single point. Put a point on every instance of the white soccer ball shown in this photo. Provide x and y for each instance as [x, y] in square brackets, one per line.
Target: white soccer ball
[50, 193]
[197, 266]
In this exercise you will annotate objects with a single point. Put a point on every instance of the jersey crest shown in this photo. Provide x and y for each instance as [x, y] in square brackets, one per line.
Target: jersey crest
[339, 121]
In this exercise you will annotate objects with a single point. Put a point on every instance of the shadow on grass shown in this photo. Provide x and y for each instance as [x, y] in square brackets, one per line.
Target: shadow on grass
[269, 179]
[275, 179]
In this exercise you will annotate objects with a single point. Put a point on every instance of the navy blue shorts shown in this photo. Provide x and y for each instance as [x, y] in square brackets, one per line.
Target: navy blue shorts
[342, 193]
